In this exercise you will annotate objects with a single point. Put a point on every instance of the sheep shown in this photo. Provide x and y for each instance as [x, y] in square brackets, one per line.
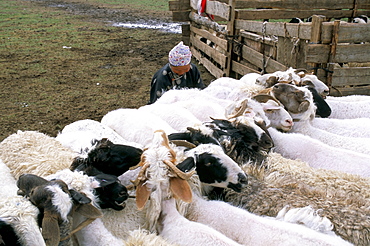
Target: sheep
[34, 152]
[17, 214]
[172, 225]
[177, 229]
[172, 96]
[81, 135]
[213, 168]
[303, 116]
[176, 116]
[160, 180]
[57, 204]
[134, 125]
[318, 154]
[279, 118]
[349, 98]
[109, 158]
[342, 198]
[250, 229]
[349, 110]
[359, 127]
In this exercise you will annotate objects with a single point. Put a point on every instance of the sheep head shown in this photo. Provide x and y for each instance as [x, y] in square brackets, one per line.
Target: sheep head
[177, 179]
[293, 99]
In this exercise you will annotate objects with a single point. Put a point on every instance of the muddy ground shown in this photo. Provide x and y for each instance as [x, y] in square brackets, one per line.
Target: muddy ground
[67, 93]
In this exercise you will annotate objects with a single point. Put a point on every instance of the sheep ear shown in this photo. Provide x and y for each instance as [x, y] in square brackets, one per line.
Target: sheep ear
[79, 197]
[89, 211]
[181, 189]
[142, 195]
[303, 106]
[186, 165]
[50, 228]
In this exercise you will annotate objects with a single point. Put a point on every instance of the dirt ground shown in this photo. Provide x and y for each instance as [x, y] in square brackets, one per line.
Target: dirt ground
[72, 96]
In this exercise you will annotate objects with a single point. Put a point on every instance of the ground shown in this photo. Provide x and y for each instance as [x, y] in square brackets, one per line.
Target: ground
[66, 90]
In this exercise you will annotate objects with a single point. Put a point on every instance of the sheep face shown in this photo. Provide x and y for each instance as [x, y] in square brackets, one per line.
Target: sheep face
[111, 193]
[215, 168]
[293, 99]
[110, 158]
[243, 140]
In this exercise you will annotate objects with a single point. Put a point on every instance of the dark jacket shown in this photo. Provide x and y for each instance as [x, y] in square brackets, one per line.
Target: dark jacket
[164, 79]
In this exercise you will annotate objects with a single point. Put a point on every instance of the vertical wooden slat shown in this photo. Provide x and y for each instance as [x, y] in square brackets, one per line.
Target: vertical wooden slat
[316, 25]
[333, 50]
[231, 33]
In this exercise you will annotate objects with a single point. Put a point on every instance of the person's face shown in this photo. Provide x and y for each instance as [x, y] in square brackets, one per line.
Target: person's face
[180, 70]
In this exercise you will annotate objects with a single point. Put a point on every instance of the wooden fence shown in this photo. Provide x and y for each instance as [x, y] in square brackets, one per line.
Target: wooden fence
[247, 36]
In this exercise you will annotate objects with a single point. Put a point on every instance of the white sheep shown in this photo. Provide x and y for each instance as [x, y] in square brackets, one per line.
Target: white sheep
[342, 198]
[18, 211]
[358, 127]
[81, 135]
[349, 98]
[179, 118]
[250, 229]
[34, 152]
[318, 154]
[134, 125]
[349, 110]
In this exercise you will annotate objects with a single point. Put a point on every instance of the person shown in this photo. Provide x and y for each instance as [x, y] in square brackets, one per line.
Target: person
[178, 73]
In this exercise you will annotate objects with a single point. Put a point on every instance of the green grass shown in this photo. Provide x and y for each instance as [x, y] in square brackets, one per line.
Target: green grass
[158, 5]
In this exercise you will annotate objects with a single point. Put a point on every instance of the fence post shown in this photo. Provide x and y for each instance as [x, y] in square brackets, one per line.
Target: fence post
[333, 51]
[316, 25]
[230, 33]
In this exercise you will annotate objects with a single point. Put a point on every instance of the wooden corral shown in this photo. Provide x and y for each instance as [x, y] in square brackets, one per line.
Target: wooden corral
[247, 36]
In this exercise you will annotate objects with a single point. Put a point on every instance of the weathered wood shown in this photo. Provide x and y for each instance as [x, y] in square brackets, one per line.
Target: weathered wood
[231, 31]
[214, 54]
[180, 16]
[351, 76]
[179, 5]
[256, 58]
[219, 42]
[256, 37]
[215, 71]
[348, 32]
[207, 23]
[302, 31]
[316, 25]
[218, 9]
[345, 91]
[258, 14]
[242, 69]
[292, 4]
[333, 52]
[318, 53]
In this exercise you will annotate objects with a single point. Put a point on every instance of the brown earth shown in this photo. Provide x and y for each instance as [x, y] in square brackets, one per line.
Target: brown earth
[66, 92]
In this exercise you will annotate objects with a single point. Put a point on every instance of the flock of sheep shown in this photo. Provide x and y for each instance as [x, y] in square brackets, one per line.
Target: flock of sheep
[264, 160]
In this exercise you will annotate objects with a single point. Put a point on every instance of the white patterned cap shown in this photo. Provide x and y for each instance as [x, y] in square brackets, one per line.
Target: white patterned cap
[180, 55]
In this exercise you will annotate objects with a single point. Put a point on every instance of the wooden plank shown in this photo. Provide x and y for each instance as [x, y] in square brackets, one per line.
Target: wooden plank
[214, 54]
[180, 16]
[318, 4]
[318, 53]
[351, 76]
[333, 52]
[258, 14]
[179, 5]
[215, 71]
[316, 27]
[355, 90]
[207, 23]
[302, 31]
[222, 43]
[348, 32]
[219, 9]
[256, 58]
[256, 37]
[242, 69]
